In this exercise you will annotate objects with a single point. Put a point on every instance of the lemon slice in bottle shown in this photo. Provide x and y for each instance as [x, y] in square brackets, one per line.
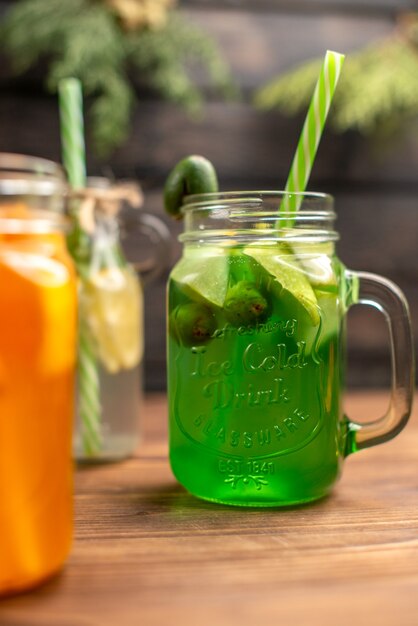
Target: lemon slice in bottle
[111, 302]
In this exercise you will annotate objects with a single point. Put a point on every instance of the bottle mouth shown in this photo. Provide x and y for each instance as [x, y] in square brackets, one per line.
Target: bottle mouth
[266, 215]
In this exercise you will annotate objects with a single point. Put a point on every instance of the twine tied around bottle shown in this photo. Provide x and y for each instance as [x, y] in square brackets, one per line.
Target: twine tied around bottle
[104, 202]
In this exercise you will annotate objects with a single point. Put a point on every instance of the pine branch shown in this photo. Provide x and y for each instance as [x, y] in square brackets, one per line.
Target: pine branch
[111, 114]
[377, 92]
[35, 28]
[163, 55]
[85, 39]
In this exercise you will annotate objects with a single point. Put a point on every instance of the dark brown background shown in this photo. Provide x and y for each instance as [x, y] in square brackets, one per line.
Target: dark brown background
[376, 188]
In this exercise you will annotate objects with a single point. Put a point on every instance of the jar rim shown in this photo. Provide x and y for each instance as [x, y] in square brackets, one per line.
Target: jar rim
[22, 174]
[10, 161]
[258, 215]
[206, 200]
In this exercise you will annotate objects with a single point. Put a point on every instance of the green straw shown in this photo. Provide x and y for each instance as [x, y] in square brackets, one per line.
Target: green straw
[74, 159]
[311, 133]
[72, 131]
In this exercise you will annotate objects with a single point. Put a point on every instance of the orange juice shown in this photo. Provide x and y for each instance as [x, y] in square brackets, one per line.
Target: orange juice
[37, 361]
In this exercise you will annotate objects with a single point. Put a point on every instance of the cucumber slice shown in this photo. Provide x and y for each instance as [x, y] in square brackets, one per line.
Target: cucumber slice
[203, 279]
[191, 175]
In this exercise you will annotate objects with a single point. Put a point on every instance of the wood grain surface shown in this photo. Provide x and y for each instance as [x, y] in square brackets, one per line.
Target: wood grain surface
[146, 552]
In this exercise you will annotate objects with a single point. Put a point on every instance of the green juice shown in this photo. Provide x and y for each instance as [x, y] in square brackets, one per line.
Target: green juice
[255, 374]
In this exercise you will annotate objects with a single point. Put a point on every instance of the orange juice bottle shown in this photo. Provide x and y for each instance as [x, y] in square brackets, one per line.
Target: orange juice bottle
[37, 361]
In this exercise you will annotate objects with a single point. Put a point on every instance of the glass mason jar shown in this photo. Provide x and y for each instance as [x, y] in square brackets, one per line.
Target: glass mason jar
[111, 318]
[37, 362]
[257, 308]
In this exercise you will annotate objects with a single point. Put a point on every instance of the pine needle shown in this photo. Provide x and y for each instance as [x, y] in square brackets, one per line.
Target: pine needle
[377, 93]
[85, 39]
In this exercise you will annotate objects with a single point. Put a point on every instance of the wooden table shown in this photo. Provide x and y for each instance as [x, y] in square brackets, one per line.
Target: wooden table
[147, 553]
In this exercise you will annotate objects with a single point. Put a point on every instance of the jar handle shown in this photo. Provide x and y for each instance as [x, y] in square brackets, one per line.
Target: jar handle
[385, 296]
[159, 235]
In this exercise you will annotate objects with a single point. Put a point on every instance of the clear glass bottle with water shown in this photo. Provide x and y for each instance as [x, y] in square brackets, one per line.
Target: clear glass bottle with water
[111, 321]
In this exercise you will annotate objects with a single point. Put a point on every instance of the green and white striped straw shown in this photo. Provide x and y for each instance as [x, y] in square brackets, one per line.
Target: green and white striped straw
[88, 393]
[74, 159]
[72, 131]
[311, 133]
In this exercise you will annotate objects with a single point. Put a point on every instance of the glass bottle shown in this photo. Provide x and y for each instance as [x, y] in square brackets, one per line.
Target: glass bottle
[111, 321]
[38, 311]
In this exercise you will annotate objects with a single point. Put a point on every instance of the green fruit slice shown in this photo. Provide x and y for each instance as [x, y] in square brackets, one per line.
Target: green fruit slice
[203, 279]
[316, 261]
[288, 276]
[191, 175]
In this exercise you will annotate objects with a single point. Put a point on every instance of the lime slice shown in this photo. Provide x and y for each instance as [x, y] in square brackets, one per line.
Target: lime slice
[316, 261]
[281, 264]
[203, 279]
